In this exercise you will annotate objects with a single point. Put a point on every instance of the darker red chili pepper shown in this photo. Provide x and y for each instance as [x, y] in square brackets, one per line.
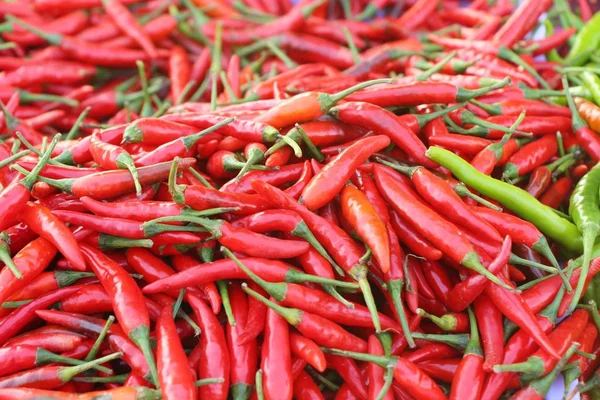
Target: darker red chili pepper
[491, 327]
[469, 145]
[520, 22]
[530, 156]
[255, 321]
[540, 179]
[350, 373]
[129, 25]
[410, 237]
[556, 194]
[285, 174]
[375, 373]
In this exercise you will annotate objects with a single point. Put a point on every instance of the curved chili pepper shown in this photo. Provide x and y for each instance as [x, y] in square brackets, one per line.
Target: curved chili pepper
[540, 179]
[350, 373]
[414, 380]
[109, 156]
[366, 222]
[586, 339]
[469, 145]
[556, 194]
[176, 380]
[279, 177]
[409, 236]
[491, 327]
[530, 156]
[417, 93]
[124, 294]
[257, 312]
[307, 350]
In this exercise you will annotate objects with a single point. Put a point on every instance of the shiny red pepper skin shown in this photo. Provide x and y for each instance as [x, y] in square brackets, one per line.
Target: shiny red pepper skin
[276, 359]
[215, 362]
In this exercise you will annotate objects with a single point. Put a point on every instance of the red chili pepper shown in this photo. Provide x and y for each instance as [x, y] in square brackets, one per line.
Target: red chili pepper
[520, 22]
[257, 313]
[129, 25]
[468, 378]
[375, 373]
[556, 194]
[110, 184]
[540, 179]
[491, 326]
[410, 237]
[305, 388]
[321, 330]
[350, 373]
[279, 177]
[454, 246]
[276, 361]
[243, 355]
[19, 318]
[417, 93]
[109, 156]
[367, 223]
[176, 379]
[328, 183]
[29, 262]
[530, 156]
[586, 137]
[307, 350]
[468, 290]
[312, 105]
[41, 221]
[469, 145]
[125, 296]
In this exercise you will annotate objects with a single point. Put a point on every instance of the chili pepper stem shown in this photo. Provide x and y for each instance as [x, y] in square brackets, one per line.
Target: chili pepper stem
[141, 337]
[457, 340]
[590, 233]
[260, 393]
[542, 247]
[208, 381]
[472, 262]
[510, 56]
[222, 287]
[7, 260]
[292, 315]
[395, 287]
[302, 231]
[96, 347]
[466, 95]
[445, 322]
[327, 101]
[68, 373]
[44, 356]
[124, 161]
[331, 290]
[462, 191]
[241, 391]
[516, 260]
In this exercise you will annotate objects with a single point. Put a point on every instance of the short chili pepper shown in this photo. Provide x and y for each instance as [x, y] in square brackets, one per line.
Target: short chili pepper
[276, 357]
[530, 156]
[468, 378]
[413, 239]
[124, 294]
[306, 349]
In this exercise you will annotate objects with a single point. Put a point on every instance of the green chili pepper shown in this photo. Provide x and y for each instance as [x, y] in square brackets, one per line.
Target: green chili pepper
[586, 42]
[591, 82]
[511, 197]
[584, 209]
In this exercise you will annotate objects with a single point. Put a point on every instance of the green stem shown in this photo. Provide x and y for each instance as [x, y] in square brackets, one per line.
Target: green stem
[44, 356]
[462, 191]
[68, 373]
[222, 286]
[74, 131]
[351, 45]
[436, 68]
[510, 56]
[215, 67]
[96, 347]
[141, 337]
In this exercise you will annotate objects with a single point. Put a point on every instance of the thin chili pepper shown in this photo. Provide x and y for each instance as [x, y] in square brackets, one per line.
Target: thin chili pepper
[109, 156]
[175, 377]
[530, 156]
[87, 52]
[555, 195]
[586, 339]
[468, 378]
[527, 206]
[490, 321]
[337, 243]
[276, 358]
[306, 349]
[470, 145]
[255, 322]
[124, 294]
[376, 374]
[110, 184]
[243, 356]
[540, 179]
[350, 373]
[586, 137]
[321, 330]
[441, 196]
[14, 197]
[305, 388]
[407, 205]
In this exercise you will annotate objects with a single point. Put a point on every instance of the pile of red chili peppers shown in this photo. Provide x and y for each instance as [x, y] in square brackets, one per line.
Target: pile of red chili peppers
[326, 199]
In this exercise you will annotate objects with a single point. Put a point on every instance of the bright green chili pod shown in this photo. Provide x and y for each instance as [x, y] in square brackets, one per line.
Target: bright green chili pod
[587, 41]
[584, 209]
[514, 198]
